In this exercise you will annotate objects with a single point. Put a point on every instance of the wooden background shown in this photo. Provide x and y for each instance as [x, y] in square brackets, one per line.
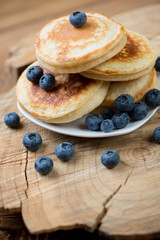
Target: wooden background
[20, 19]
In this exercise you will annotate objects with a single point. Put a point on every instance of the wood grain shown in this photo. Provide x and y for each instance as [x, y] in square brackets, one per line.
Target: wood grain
[82, 193]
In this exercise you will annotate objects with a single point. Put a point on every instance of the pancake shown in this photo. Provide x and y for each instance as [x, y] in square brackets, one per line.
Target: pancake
[136, 88]
[135, 60]
[86, 108]
[63, 48]
[71, 98]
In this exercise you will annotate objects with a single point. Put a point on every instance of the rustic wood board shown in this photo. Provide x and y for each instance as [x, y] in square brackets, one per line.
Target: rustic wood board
[82, 193]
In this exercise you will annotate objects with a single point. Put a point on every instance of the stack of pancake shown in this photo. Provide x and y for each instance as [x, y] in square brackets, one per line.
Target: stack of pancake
[92, 66]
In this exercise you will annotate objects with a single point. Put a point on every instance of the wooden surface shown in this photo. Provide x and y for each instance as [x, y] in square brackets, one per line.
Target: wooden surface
[123, 201]
[82, 193]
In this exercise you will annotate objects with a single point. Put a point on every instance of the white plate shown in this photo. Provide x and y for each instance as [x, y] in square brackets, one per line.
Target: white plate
[78, 128]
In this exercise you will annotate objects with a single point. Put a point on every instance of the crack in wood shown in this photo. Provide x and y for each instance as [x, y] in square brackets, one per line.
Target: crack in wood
[105, 209]
[128, 176]
[25, 174]
[102, 214]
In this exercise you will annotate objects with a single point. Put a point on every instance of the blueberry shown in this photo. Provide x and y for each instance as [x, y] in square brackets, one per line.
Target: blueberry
[107, 125]
[44, 165]
[110, 158]
[47, 82]
[34, 73]
[139, 111]
[152, 98]
[157, 64]
[124, 103]
[156, 134]
[120, 120]
[107, 114]
[32, 141]
[78, 19]
[93, 122]
[65, 151]
[12, 119]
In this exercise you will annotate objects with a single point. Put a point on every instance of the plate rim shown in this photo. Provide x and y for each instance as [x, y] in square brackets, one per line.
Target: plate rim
[93, 134]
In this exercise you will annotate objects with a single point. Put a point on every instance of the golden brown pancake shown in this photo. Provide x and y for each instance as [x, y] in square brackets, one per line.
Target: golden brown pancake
[71, 98]
[135, 60]
[63, 48]
[136, 88]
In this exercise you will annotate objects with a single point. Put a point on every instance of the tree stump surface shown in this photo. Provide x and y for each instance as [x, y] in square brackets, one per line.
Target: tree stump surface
[82, 193]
